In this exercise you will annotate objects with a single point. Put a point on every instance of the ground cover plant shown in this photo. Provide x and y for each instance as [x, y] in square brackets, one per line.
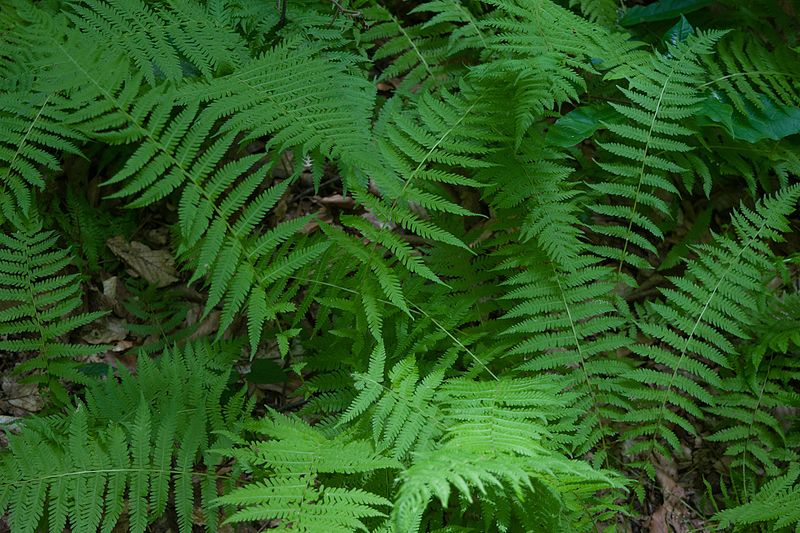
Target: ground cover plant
[441, 266]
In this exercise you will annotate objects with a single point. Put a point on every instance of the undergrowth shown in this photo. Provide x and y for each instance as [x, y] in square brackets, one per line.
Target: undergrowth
[455, 265]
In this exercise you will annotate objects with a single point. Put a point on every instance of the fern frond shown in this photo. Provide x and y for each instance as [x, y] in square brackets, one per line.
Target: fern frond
[600, 11]
[302, 506]
[169, 42]
[695, 325]
[222, 202]
[33, 131]
[639, 160]
[540, 51]
[530, 186]
[428, 150]
[512, 414]
[294, 494]
[745, 71]
[41, 301]
[517, 480]
[776, 505]
[418, 53]
[566, 322]
[121, 453]
[464, 32]
[752, 430]
[297, 97]
[403, 416]
[157, 316]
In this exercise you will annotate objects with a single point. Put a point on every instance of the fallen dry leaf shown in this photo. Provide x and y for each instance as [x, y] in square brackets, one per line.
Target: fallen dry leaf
[671, 516]
[106, 331]
[336, 200]
[9, 423]
[20, 399]
[156, 266]
[206, 326]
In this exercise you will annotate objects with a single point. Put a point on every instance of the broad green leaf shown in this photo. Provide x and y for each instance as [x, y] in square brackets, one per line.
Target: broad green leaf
[679, 32]
[662, 10]
[579, 124]
[265, 371]
[773, 121]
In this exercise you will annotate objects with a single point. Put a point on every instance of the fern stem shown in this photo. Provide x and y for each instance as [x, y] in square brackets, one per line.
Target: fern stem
[416, 50]
[579, 347]
[471, 20]
[111, 471]
[433, 148]
[747, 73]
[752, 423]
[22, 143]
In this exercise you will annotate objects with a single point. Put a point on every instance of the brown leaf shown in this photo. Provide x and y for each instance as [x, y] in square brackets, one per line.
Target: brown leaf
[671, 516]
[336, 200]
[156, 266]
[206, 326]
[106, 331]
[20, 399]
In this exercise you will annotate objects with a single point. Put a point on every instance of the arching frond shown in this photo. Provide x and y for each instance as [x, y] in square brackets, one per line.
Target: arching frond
[638, 160]
[132, 444]
[695, 325]
[42, 302]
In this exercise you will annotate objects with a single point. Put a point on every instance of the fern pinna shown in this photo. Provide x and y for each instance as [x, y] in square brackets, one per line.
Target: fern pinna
[466, 265]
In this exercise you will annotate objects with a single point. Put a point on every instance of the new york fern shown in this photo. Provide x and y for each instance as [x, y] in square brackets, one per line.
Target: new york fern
[461, 265]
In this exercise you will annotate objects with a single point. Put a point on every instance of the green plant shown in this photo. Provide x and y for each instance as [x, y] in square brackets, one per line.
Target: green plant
[130, 445]
[40, 299]
[509, 261]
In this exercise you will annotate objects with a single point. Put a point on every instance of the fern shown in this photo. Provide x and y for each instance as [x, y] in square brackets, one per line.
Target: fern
[662, 93]
[565, 322]
[696, 321]
[292, 493]
[131, 444]
[512, 415]
[754, 433]
[403, 418]
[32, 129]
[420, 148]
[87, 227]
[41, 299]
[169, 42]
[158, 317]
[531, 188]
[541, 50]
[745, 71]
[776, 505]
[602, 11]
[418, 53]
[443, 220]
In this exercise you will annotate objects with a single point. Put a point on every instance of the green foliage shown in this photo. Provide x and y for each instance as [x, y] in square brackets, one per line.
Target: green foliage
[717, 294]
[41, 298]
[30, 123]
[489, 248]
[133, 443]
[302, 467]
[755, 389]
[774, 506]
[662, 92]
